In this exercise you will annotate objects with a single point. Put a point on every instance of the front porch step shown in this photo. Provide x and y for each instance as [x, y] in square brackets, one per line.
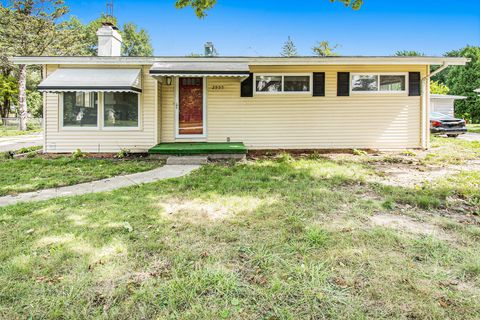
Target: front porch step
[187, 160]
[198, 148]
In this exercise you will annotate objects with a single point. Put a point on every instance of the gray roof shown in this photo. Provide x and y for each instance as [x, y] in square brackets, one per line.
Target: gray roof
[120, 80]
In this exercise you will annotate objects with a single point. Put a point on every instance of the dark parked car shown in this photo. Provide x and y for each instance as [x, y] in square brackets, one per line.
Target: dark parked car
[444, 124]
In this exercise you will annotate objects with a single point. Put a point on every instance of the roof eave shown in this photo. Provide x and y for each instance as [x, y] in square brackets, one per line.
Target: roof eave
[250, 60]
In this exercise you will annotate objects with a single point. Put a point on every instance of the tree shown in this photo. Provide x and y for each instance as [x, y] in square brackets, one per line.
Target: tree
[463, 80]
[438, 88]
[323, 49]
[354, 4]
[409, 53]
[31, 28]
[135, 43]
[8, 93]
[289, 49]
[201, 6]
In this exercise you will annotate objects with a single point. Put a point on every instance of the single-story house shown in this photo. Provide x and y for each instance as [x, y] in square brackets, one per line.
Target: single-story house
[444, 103]
[107, 103]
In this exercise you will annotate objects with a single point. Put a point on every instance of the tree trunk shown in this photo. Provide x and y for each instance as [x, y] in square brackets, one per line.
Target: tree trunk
[22, 96]
[5, 107]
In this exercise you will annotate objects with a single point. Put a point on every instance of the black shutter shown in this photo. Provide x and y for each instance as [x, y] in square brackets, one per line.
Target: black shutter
[414, 84]
[319, 84]
[246, 89]
[343, 84]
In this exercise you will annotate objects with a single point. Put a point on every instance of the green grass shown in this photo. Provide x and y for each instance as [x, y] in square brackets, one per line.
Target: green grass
[10, 133]
[445, 151]
[283, 239]
[22, 175]
[473, 128]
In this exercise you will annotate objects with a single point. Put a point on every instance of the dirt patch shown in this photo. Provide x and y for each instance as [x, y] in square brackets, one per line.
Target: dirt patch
[411, 175]
[201, 210]
[407, 224]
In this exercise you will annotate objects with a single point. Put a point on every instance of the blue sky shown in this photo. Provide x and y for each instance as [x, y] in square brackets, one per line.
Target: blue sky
[256, 27]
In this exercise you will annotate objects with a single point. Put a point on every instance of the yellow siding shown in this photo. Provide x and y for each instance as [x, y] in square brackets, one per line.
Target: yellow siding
[67, 140]
[297, 121]
[167, 109]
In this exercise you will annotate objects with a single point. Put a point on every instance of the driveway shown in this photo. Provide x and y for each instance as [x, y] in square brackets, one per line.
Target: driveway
[18, 142]
[470, 136]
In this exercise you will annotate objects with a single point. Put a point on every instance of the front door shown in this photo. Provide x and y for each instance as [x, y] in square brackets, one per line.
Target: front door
[190, 107]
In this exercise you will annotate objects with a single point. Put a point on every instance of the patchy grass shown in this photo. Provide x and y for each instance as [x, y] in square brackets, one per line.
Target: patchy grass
[446, 151]
[473, 128]
[10, 133]
[282, 239]
[22, 175]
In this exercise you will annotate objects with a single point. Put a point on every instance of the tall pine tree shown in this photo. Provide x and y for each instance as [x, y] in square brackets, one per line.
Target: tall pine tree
[289, 49]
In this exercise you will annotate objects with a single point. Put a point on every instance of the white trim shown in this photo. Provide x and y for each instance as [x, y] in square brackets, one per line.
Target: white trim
[282, 75]
[100, 113]
[250, 60]
[378, 91]
[177, 110]
[197, 75]
[77, 128]
[44, 112]
[446, 96]
[156, 124]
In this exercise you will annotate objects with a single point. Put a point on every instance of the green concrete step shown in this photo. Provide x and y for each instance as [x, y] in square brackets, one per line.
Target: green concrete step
[192, 148]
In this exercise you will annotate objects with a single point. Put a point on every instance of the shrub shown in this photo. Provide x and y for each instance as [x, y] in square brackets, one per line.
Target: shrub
[409, 153]
[314, 156]
[78, 154]
[359, 152]
[8, 155]
[285, 157]
[28, 150]
[123, 153]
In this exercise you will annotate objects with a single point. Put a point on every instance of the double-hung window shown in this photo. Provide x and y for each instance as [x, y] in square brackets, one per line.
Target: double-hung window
[100, 110]
[378, 83]
[272, 83]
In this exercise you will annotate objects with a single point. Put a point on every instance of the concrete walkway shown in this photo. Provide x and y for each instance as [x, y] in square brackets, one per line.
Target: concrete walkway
[165, 172]
[470, 136]
[17, 142]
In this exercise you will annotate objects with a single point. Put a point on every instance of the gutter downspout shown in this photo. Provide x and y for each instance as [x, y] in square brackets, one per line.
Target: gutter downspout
[426, 104]
[44, 107]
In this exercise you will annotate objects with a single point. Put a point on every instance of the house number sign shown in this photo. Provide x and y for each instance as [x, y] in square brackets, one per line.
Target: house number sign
[217, 87]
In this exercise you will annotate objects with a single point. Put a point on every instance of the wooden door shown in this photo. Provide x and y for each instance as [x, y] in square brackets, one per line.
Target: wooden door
[190, 100]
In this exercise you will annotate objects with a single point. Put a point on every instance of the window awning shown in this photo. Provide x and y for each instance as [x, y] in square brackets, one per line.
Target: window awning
[200, 69]
[87, 80]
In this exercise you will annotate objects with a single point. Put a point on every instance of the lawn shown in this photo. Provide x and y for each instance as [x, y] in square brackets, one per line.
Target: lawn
[283, 238]
[446, 151]
[10, 133]
[22, 175]
[473, 128]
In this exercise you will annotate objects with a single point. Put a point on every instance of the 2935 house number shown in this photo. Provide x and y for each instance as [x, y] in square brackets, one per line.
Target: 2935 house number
[217, 87]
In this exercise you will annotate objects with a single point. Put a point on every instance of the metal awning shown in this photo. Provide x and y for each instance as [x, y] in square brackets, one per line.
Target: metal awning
[200, 69]
[87, 80]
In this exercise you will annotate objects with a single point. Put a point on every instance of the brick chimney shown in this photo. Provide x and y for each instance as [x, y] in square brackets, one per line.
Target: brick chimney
[109, 41]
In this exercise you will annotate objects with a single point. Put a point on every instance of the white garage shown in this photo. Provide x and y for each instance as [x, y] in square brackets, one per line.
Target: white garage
[444, 103]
